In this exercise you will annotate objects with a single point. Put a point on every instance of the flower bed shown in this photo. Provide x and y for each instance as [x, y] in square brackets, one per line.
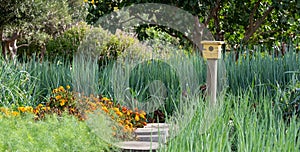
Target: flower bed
[62, 100]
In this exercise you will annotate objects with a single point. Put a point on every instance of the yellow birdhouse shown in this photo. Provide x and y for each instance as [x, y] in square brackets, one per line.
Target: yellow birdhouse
[212, 49]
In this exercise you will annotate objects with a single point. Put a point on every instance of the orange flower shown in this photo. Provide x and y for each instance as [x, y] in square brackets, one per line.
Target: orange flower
[62, 102]
[124, 109]
[119, 113]
[58, 97]
[144, 123]
[104, 108]
[22, 109]
[116, 109]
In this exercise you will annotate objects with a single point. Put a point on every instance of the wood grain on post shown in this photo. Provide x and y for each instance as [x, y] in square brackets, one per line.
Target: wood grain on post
[212, 74]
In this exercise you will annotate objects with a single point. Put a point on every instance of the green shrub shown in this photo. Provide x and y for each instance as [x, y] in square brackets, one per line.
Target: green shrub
[104, 46]
[66, 44]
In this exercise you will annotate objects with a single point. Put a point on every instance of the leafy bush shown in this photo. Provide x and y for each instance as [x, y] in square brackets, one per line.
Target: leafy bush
[104, 46]
[65, 45]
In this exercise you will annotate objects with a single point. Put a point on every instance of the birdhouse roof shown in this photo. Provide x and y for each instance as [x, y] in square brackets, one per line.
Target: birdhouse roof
[213, 42]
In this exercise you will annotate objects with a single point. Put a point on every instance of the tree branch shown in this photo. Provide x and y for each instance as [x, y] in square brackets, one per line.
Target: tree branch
[212, 12]
[216, 20]
[14, 36]
[251, 30]
[251, 18]
[23, 45]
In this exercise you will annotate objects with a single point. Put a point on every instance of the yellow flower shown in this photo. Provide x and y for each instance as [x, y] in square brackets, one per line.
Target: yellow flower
[119, 113]
[58, 97]
[104, 108]
[40, 105]
[137, 118]
[105, 99]
[14, 113]
[129, 112]
[55, 91]
[85, 1]
[93, 1]
[142, 116]
[61, 88]
[116, 109]
[130, 125]
[22, 109]
[143, 112]
[28, 109]
[62, 102]
[68, 87]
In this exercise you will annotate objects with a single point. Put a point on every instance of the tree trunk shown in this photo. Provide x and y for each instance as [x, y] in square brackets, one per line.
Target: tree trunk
[9, 45]
[43, 51]
[3, 43]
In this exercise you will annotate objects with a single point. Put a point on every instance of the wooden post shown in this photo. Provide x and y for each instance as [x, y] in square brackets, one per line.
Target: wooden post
[211, 78]
[212, 52]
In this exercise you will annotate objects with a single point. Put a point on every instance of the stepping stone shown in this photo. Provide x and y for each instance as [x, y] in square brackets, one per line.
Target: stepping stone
[157, 125]
[151, 131]
[152, 138]
[138, 146]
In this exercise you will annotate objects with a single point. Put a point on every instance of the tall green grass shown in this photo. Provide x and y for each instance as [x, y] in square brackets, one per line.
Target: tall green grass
[17, 86]
[260, 71]
[31, 82]
[240, 126]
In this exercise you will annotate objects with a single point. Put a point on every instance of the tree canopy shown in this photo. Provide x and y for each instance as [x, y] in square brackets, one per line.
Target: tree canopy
[35, 21]
[243, 21]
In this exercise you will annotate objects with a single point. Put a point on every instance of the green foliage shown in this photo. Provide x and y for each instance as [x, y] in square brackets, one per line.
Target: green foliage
[53, 134]
[65, 45]
[260, 71]
[78, 10]
[149, 71]
[104, 46]
[17, 85]
[244, 21]
[49, 19]
[239, 127]
[288, 99]
[14, 12]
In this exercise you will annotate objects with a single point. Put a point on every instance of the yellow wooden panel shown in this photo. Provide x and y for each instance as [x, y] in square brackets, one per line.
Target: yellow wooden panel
[212, 49]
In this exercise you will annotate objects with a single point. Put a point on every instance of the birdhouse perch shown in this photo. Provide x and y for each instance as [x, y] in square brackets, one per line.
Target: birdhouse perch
[212, 49]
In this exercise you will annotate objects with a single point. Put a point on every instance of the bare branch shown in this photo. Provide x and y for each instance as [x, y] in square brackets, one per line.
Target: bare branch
[23, 45]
